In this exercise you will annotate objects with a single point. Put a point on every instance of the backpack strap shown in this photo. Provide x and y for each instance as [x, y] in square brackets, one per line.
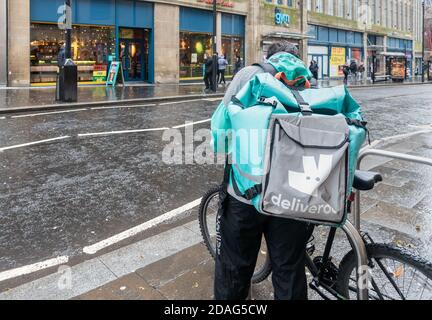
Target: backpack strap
[267, 67]
[249, 193]
[359, 124]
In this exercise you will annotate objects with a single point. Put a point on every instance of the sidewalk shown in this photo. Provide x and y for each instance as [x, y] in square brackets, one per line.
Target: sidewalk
[43, 98]
[397, 211]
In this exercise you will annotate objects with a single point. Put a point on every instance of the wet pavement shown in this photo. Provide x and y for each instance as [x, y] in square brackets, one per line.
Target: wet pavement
[37, 96]
[58, 197]
[12, 98]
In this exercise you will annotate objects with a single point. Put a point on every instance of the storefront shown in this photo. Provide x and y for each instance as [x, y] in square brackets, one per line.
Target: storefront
[332, 48]
[196, 29]
[402, 46]
[233, 40]
[103, 31]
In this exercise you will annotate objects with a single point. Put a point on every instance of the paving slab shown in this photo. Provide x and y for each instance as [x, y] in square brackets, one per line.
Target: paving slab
[174, 266]
[197, 284]
[130, 287]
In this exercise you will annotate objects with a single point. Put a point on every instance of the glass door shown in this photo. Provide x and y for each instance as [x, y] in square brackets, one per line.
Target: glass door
[132, 58]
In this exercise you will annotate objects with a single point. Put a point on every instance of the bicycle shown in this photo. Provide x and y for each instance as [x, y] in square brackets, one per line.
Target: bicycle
[350, 277]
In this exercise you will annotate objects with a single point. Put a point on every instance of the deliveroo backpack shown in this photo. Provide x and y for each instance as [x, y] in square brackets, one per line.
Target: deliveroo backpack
[293, 150]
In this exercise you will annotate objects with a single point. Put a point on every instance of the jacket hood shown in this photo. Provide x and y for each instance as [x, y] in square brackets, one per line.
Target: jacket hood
[292, 66]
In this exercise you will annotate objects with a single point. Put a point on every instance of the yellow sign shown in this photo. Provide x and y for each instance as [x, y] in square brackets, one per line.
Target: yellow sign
[338, 56]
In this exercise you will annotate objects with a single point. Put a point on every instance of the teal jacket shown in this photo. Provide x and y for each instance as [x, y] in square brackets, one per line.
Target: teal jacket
[247, 119]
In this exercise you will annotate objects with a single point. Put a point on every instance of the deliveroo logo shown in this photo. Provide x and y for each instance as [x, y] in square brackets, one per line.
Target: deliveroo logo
[308, 181]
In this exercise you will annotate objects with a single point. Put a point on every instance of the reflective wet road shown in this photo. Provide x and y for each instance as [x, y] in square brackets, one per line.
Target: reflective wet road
[60, 196]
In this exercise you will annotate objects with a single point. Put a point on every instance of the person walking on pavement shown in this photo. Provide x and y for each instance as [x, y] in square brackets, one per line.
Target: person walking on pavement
[346, 71]
[241, 226]
[361, 70]
[208, 72]
[313, 67]
[222, 64]
[238, 65]
[354, 69]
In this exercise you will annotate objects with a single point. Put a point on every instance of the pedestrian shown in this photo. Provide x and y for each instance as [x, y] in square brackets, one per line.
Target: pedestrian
[61, 58]
[208, 72]
[313, 67]
[361, 70]
[346, 71]
[241, 226]
[353, 69]
[222, 64]
[238, 64]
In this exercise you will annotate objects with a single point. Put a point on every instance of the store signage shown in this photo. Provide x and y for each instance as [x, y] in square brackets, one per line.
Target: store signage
[281, 18]
[99, 72]
[337, 60]
[222, 3]
[115, 72]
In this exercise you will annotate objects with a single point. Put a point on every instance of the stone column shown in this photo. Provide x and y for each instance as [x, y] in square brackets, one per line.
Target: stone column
[167, 43]
[304, 29]
[365, 58]
[19, 43]
[219, 33]
[253, 33]
[3, 42]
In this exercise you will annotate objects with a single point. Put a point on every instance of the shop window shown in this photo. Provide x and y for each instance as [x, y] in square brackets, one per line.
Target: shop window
[323, 34]
[333, 35]
[194, 49]
[342, 36]
[91, 50]
[232, 47]
[312, 31]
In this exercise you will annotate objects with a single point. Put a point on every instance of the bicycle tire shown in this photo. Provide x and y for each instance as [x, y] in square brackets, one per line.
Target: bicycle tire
[260, 274]
[377, 251]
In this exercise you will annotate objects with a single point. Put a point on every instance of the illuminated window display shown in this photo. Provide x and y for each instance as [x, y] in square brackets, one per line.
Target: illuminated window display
[91, 50]
[194, 47]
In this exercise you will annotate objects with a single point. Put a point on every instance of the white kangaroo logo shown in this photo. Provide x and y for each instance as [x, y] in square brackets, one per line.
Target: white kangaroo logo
[313, 176]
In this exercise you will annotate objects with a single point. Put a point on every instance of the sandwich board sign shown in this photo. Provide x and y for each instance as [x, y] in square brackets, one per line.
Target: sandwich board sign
[115, 73]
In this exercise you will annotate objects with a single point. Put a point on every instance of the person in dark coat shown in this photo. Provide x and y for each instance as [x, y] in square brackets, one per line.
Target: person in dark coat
[208, 73]
[346, 71]
[313, 67]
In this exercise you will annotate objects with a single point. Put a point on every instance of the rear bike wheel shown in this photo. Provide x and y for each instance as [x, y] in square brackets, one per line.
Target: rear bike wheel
[394, 274]
[208, 219]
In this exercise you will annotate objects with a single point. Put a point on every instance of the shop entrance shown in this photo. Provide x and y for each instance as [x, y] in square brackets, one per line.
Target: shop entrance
[134, 53]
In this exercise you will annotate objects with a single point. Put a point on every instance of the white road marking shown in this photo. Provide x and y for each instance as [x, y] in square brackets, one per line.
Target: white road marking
[2, 118]
[118, 107]
[176, 102]
[212, 99]
[13, 273]
[47, 113]
[33, 143]
[191, 124]
[140, 228]
[119, 132]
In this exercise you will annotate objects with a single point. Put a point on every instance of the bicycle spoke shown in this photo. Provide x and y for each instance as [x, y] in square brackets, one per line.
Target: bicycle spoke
[390, 278]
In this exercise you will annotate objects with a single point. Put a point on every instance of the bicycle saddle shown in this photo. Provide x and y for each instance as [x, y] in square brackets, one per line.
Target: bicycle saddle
[365, 180]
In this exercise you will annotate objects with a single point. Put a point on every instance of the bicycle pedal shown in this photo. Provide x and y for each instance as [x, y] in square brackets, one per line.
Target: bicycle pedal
[310, 249]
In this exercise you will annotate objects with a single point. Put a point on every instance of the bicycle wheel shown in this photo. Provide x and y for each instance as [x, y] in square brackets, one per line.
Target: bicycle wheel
[394, 274]
[208, 217]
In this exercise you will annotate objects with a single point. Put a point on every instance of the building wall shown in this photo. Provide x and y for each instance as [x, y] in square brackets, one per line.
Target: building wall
[19, 43]
[3, 43]
[388, 18]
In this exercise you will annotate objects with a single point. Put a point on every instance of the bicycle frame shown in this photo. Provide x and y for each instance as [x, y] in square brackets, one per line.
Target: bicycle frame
[359, 247]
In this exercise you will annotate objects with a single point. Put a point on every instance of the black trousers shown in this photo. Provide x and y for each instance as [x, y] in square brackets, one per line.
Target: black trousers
[240, 231]
[221, 76]
[208, 80]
